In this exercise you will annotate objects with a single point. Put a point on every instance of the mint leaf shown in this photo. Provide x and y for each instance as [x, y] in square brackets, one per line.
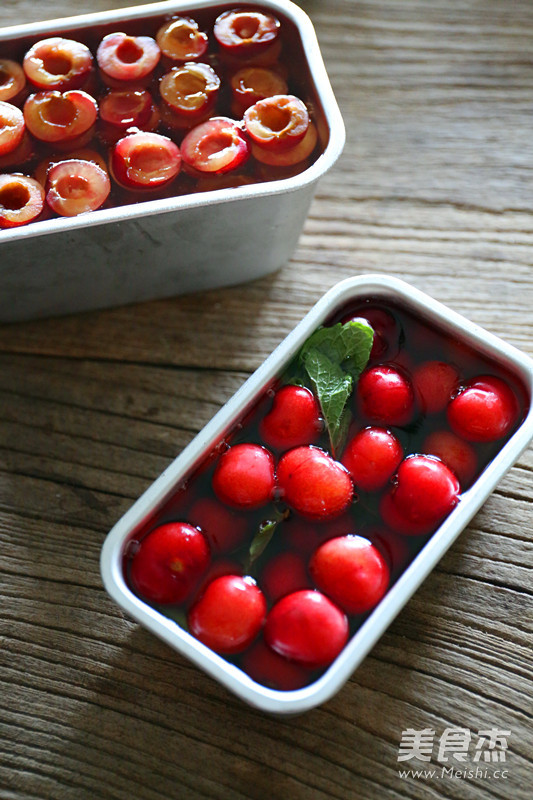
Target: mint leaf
[333, 387]
[262, 538]
[332, 358]
[347, 345]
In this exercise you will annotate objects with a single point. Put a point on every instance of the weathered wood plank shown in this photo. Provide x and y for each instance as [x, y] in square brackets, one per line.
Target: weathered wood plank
[434, 187]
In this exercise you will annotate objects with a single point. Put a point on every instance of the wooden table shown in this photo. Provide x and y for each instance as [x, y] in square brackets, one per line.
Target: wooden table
[435, 187]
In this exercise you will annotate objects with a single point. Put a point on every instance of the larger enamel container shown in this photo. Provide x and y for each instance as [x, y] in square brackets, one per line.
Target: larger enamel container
[147, 510]
[176, 244]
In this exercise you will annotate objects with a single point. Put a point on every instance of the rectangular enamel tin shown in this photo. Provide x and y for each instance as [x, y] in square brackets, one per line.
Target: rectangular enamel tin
[170, 246]
[452, 324]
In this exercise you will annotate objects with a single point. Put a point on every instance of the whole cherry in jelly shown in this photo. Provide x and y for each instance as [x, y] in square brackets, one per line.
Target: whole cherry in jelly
[484, 411]
[224, 528]
[307, 628]
[372, 457]
[168, 563]
[293, 420]
[313, 483]
[286, 572]
[229, 614]
[268, 668]
[244, 476]
[385, 342]
[458, 454]
[351, 571]
[425, 492]
[385, 395]
[434, 383]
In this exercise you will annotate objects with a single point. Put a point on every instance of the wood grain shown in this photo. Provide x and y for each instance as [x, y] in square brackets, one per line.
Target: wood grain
[434, 187]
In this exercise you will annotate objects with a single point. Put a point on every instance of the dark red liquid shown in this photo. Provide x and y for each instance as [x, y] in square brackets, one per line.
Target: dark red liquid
[292, 61]
[416, 341]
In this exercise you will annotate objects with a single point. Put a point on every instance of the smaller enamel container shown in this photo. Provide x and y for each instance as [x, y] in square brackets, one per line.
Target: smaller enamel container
[429, 320]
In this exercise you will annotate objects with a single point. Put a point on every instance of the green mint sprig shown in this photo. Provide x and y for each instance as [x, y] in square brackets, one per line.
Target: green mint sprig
[262, 538]
[330, 362]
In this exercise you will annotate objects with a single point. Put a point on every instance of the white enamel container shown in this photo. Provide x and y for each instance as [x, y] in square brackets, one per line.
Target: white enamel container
[430, 310]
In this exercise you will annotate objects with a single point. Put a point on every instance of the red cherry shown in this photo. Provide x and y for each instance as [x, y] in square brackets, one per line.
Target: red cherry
[40, 172]
[301, 535]
[60, 116]
[313, 484]
[225, 530]
[457, 454]
[293, 420]
[372, 457]
[251, 84]
[222, 566]
[268, 668]
[245, 33]
[385, 395]
[340, 526]
[126, 107]
[58, 63]
[190, 89]
[426, 491]
[169, 562]
[180, 39]
[75, 186]
[12, 127]
[351, 571]
[127, 58]
[393, 546]
[283, 574]
[267, 57]
[145, 160]
[277, 123]
[434, 383]
[215, 146]
[306, 627]
[12, 79]
[484, 411]
[21, 200]
[291, 156]
[21, 155]
[229, 614]
[385, 327]
[244, 476]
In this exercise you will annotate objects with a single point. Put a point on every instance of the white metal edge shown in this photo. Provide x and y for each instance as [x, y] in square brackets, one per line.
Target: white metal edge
[364, 639]
[147, 208]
